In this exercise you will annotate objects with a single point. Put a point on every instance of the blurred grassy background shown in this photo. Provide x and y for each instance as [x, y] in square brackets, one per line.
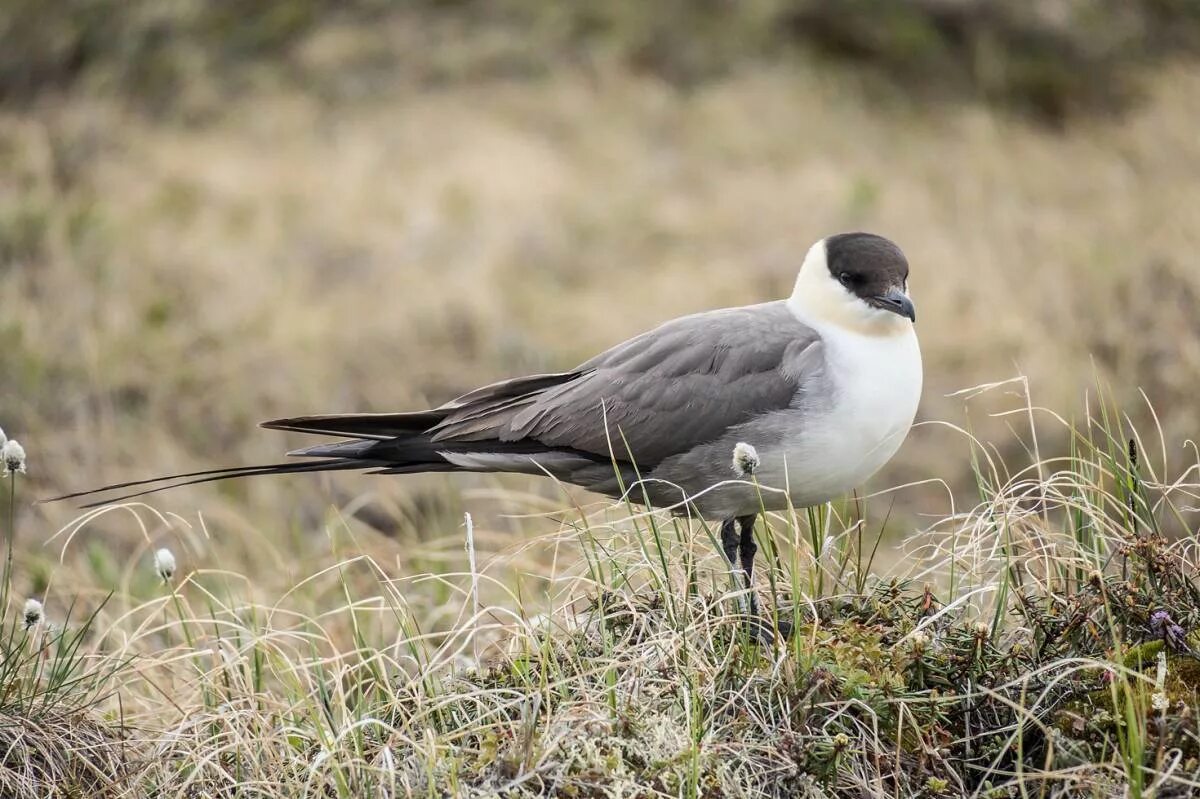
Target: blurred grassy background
[213, 214]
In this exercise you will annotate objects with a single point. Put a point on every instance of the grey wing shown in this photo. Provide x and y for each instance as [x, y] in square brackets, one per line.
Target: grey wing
[682, 384]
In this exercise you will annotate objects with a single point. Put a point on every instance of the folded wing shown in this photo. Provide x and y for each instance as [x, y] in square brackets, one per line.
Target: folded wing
[656, 395]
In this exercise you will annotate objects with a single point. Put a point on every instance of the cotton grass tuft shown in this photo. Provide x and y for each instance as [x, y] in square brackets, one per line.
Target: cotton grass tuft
[34, 613]
[164, 564]
[745, 459]
[13, 455]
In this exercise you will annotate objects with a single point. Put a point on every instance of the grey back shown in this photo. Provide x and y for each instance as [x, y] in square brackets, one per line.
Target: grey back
[659, 394]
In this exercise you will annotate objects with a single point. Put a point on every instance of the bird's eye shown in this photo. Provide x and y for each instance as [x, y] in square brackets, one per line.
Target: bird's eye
[846, 279]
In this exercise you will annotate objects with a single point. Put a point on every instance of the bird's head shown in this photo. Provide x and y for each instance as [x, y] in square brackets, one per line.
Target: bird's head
[857, 281]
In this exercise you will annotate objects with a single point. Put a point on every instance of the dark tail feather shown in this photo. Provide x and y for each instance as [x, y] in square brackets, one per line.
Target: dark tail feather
[211, 475]
[376, 426]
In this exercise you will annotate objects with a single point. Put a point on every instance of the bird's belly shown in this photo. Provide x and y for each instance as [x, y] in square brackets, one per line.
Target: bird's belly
[818, 467]
[841, 445]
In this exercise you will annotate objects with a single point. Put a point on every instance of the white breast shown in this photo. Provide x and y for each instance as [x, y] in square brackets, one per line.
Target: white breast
[876, 385]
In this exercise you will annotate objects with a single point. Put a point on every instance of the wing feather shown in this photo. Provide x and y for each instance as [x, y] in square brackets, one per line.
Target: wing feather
[679, 385]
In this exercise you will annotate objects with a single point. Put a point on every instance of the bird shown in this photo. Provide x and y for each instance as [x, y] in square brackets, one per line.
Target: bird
[822, 386]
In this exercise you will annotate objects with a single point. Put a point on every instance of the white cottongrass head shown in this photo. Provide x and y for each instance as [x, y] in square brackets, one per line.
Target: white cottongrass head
[34, 613]
[13, 455]
[164, 564]
[3, 438]
[745, 459]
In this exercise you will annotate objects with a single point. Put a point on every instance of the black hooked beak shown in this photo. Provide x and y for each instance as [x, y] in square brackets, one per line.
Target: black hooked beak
[897, 302]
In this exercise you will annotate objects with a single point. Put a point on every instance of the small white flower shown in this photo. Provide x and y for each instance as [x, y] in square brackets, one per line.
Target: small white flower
[919, 641]
[164, 564]
[34, 613]
[1158, 699]
[745, 459]
[13, 455]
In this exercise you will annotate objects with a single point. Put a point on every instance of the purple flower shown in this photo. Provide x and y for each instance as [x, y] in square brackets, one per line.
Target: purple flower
[1165, 628]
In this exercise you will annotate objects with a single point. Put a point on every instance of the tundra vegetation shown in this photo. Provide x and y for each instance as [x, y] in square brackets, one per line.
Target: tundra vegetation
[213, 214]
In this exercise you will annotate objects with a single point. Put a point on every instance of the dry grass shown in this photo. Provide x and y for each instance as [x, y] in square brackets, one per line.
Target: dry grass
[165, 284]
[1012, 653]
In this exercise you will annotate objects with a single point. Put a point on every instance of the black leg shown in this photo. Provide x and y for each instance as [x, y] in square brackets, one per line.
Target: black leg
[737, 541]
[748, 549]
[729, 542]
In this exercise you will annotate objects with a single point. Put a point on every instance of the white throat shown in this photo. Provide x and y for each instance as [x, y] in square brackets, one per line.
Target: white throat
[873, 363]
[823, 303]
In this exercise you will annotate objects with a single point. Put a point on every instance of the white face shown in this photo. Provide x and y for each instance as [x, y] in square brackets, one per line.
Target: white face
[820, 300]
